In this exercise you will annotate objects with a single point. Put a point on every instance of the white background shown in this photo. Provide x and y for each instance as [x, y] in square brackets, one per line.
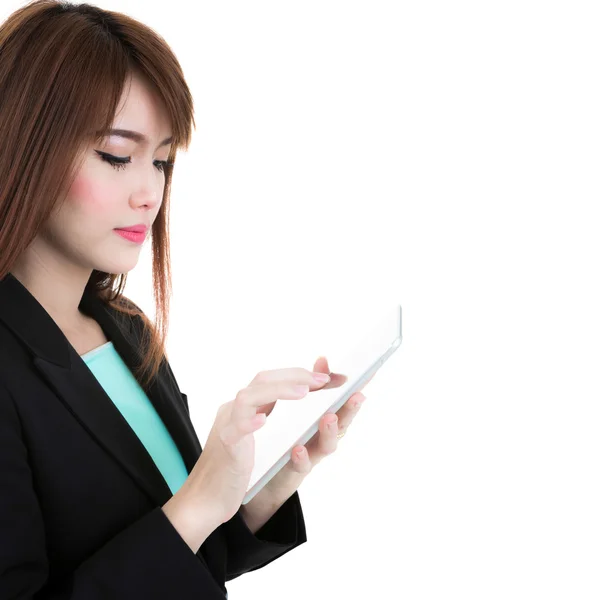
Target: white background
[438, 154]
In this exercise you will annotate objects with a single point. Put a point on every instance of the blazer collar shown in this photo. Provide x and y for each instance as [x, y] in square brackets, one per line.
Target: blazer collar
[75, 385]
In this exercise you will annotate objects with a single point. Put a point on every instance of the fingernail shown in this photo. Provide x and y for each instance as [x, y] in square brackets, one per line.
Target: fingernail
[321, 377]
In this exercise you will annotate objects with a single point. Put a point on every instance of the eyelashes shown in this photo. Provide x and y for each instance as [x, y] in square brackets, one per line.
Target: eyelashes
[120, 163]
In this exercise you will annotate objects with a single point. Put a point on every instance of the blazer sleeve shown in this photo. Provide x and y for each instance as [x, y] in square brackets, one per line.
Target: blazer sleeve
[148, 559]
[247, 551]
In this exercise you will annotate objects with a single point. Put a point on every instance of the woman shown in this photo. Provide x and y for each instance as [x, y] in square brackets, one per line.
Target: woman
[106, 490]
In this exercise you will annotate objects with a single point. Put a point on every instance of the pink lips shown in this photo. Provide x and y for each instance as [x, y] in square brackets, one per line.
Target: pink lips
[134, 236]
[140, 228]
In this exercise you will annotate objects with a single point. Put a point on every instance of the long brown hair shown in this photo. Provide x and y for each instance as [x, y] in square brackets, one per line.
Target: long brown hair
[63, 68]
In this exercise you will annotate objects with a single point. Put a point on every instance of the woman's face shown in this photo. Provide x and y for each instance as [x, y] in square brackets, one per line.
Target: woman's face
[104, 197]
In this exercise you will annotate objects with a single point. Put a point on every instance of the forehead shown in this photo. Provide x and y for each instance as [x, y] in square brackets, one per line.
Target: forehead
[141, 109]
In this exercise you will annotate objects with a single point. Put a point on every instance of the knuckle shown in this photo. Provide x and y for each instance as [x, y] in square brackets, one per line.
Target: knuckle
[242, 395]
[259, 376]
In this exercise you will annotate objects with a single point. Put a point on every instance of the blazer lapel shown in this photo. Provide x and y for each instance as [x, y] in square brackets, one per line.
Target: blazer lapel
[76, 386]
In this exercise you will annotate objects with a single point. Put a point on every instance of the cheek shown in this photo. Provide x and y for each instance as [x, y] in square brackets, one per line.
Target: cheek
[91, 196]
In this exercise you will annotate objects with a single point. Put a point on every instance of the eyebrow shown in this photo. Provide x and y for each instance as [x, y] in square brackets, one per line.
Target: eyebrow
[135, 136]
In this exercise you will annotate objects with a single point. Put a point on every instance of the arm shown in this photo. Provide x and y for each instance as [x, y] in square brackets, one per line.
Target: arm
[260, 509]
[248, 551]
[279, 526]
[147, 559]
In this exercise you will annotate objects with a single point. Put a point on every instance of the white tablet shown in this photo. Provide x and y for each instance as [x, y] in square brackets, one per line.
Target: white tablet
[294, 422]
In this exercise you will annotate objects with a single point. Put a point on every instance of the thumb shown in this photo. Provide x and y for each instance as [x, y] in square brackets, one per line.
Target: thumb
[321, 365]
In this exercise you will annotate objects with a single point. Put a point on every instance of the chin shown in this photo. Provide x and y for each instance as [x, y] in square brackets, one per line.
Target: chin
[116, 266]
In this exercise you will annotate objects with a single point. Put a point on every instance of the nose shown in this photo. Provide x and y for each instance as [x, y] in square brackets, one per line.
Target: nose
[147, 198]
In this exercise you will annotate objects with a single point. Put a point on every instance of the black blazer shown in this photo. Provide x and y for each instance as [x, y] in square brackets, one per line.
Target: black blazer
[80, 496]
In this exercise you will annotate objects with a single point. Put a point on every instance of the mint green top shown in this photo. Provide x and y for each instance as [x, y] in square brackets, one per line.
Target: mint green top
[126, 393]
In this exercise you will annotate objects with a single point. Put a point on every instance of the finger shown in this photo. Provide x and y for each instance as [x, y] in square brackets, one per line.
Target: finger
[248, 400]
[308, 377]
[234, 429]
[337, 379]
[347, 412]
[295, 375]
[321, 365]
[327, 440]
[300, 460]
[267, 409]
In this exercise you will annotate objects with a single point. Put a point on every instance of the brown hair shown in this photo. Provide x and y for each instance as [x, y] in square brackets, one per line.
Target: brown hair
[63, 68]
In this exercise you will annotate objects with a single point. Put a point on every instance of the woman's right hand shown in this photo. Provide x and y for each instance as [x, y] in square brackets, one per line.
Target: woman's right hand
[221, 475]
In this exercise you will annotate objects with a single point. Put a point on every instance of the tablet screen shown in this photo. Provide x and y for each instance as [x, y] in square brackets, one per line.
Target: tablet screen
[294, 422]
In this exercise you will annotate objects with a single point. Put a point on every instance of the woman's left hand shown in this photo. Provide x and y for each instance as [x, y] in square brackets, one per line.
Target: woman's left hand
[323, 443]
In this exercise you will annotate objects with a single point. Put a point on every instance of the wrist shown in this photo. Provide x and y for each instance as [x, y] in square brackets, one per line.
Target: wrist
[261, 508]
[191, 517]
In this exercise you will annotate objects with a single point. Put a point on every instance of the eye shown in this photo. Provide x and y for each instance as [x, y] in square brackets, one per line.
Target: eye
[120, 163]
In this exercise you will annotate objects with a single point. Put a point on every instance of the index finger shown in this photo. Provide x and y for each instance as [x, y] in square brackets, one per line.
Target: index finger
[296, 375]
